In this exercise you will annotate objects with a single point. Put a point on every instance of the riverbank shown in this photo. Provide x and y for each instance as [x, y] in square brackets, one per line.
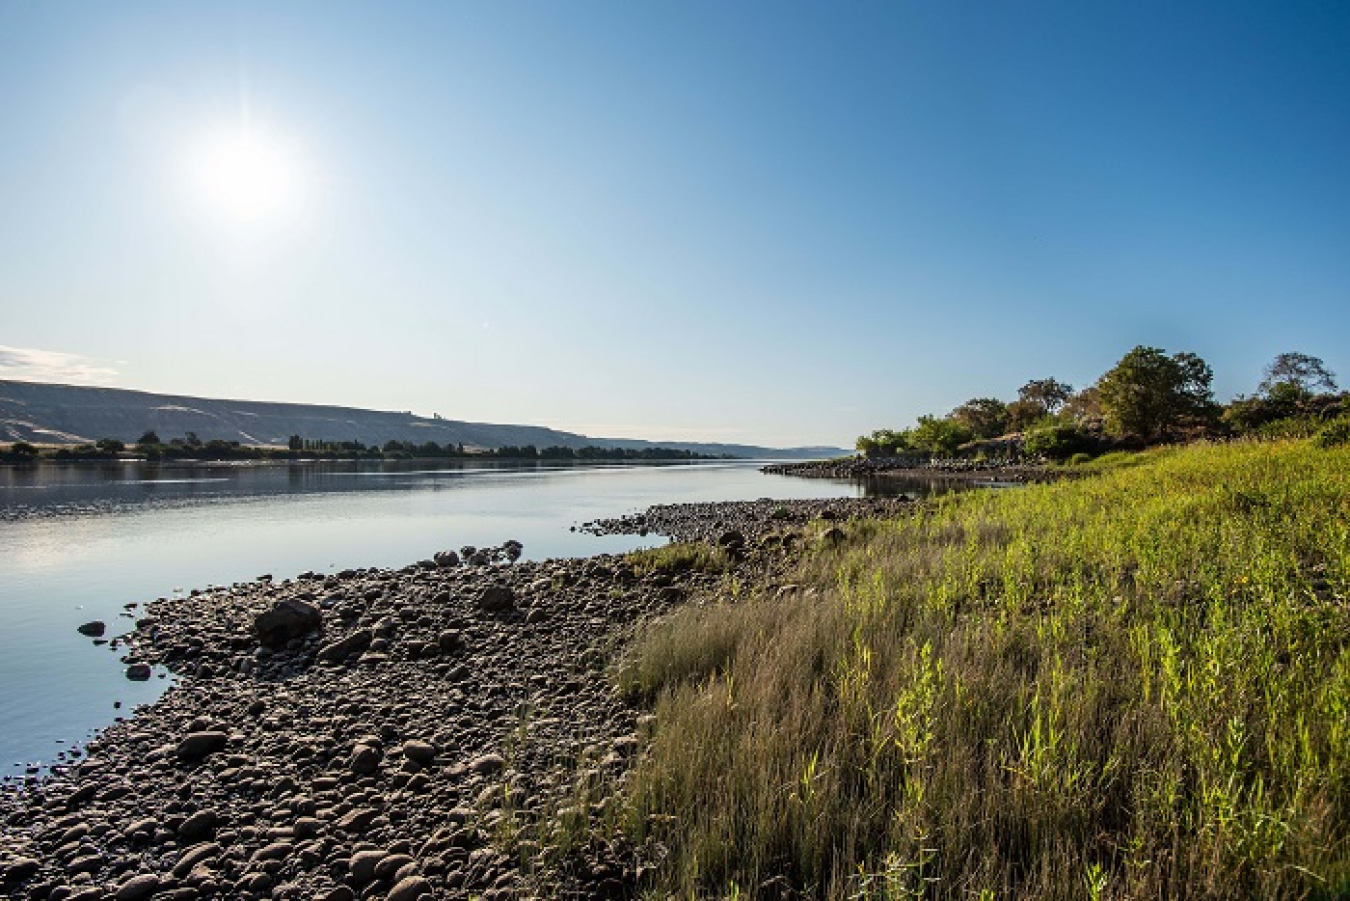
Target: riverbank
[998, 471]
[416, 735]
[1131, 685]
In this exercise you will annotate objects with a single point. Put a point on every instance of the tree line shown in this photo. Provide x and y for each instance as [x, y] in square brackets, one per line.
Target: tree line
[1148, 397]
[191, 447]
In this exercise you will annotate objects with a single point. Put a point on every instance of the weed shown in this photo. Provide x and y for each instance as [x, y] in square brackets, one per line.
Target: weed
[679, 558]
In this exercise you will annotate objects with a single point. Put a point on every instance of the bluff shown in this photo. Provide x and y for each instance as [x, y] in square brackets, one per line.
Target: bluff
[74, 414]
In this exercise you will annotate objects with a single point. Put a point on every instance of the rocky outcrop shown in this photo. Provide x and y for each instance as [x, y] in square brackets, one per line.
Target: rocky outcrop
[733, 523]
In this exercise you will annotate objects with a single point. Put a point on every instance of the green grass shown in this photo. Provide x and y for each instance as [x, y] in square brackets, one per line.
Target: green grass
[1134, 685]
[680, 557]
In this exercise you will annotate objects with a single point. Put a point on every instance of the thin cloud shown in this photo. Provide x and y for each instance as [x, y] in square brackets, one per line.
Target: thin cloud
[26, 364]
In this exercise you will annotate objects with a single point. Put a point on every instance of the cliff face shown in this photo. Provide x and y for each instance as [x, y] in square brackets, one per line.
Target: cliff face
[69, 414]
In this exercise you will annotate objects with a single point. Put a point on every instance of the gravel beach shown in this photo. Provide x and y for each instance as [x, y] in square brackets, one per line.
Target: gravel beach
[392, 734]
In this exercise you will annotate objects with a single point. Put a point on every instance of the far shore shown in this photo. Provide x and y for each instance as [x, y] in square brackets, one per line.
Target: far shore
[265, 454]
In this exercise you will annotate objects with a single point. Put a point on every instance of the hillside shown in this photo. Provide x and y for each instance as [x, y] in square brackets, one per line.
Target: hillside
[69, 414]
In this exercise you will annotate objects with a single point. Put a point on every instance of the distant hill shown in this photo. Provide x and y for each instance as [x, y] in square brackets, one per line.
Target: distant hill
[71, 414]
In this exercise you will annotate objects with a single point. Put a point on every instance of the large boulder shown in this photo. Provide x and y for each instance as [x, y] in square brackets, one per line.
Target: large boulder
[497, 599]
[198, 828]
[362, 866]
[197, 745]
[488, 764]
[420, 752]
[731, 539]
[289, 618]
[365, 760]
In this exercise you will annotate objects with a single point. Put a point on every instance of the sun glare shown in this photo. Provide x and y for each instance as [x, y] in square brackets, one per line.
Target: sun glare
[246, 178]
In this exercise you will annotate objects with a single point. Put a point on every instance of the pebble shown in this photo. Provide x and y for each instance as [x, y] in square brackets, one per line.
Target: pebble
[410, 889]
[137, 887]
[294, 768]
[201, 744]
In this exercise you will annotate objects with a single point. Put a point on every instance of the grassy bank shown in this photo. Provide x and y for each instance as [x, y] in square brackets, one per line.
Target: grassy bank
[1134, 685]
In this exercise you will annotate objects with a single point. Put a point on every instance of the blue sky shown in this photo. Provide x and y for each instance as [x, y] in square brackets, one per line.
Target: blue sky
[765, 222]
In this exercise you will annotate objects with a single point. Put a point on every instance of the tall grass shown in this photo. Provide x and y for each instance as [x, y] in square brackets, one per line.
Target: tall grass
[1134, 685]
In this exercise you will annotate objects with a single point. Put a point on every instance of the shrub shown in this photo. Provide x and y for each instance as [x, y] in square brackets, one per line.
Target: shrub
[1333, 434]
[682, 557]
[1057, 442]
[1291, 428]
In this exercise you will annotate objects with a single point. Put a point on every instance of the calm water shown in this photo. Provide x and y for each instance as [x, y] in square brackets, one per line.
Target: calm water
[79, 542]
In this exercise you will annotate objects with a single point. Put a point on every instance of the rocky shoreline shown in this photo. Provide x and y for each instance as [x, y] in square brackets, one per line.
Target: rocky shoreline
[395, 734]
[751, 519]
[993, 470]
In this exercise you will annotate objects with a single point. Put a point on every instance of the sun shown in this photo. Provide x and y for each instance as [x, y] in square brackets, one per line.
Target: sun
[246, 177]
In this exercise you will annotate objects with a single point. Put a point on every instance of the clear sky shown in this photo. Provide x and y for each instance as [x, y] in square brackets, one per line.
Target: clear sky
[766, 222]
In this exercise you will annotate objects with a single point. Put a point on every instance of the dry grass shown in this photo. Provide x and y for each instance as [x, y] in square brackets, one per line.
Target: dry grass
[1135, 685]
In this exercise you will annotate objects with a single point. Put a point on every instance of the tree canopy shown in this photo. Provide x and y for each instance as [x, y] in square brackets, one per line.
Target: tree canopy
[1150, 394]
[983, 417]
[1300, 372]
[1048, 394]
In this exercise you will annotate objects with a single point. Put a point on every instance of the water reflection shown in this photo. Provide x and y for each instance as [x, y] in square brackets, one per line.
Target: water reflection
[909, 486]
[55, 489]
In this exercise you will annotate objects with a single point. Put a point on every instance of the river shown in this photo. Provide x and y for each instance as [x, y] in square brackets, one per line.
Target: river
[81, 542]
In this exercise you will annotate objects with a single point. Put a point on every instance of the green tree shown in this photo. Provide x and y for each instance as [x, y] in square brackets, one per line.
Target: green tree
[110, 445]
[1023, 414]
[1300, 372]
[1150, 395]
[1048, 394]
[148, 439]
[1084, 406]
[23, 450]
[983, 417]
[883, 443]
[1057, 441]
[940, 437]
